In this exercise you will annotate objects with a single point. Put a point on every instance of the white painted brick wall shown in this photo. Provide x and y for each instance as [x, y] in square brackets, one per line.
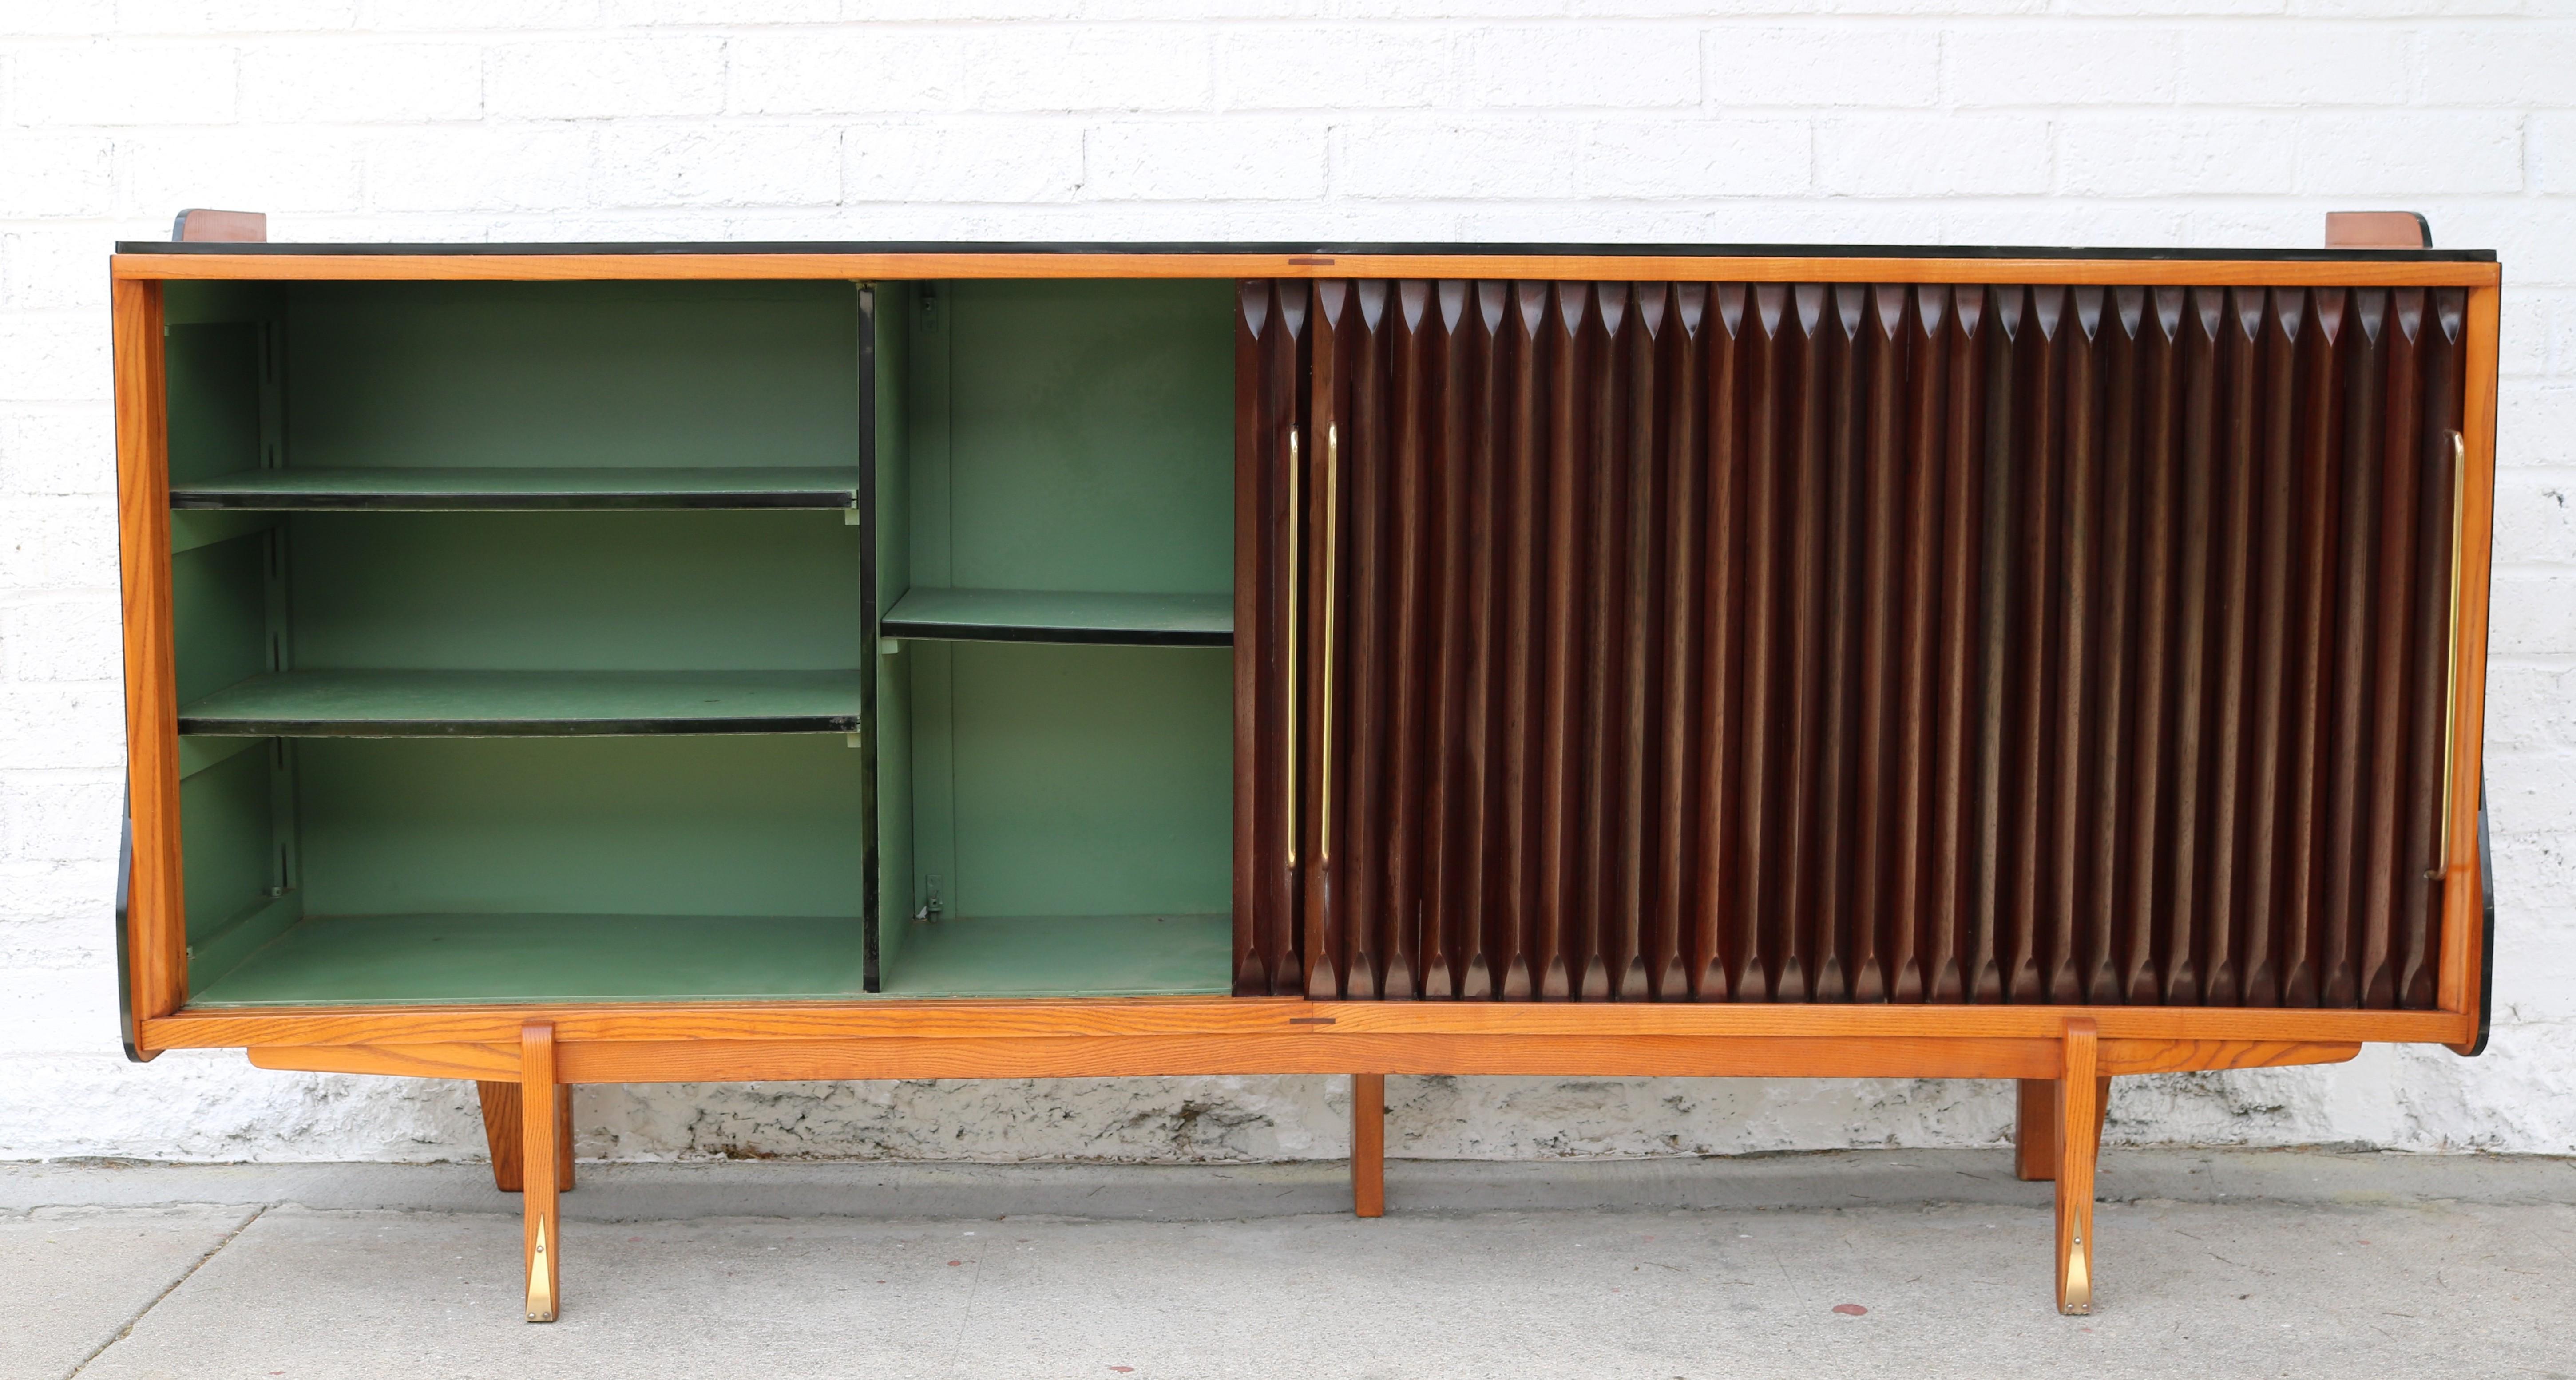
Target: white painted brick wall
[2203, 122]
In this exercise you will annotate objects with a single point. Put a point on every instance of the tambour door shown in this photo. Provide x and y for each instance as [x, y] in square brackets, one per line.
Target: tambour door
[1806, 642]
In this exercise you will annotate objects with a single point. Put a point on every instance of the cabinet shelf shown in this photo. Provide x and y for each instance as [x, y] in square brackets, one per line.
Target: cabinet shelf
[1067, 956]
[427, 489]
[1096, 619]
[509, 704]
[389, 959]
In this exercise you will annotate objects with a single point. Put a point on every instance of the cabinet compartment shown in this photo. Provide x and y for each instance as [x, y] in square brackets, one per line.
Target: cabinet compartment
[525, 395]
[359, 634]
[1055, 467]
[604, 868]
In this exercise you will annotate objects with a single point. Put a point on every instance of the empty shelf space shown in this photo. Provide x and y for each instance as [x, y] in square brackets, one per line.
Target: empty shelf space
[1015, 615]
[1066, 956]
[367, 959]
[499, 704]
[426, 489]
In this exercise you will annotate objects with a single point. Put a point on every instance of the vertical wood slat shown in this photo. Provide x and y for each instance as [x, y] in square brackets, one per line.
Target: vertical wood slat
[1796, 642]
[1270, 365]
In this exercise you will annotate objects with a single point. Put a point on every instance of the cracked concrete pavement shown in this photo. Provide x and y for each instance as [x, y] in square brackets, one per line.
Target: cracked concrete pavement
[1919, 1264]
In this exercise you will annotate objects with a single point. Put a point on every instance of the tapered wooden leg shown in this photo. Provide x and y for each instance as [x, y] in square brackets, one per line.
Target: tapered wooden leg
[540, 1160]
[1368, 1144]
[501, 1132]
[2079, 1139]
[2035, 1126]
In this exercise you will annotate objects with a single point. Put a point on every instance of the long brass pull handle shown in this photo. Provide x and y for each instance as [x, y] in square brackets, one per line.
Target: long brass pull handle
[2451, 658]
[1296, 633]
[1332, 561]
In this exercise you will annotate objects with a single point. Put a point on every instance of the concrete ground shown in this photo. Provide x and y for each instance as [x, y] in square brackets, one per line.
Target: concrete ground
[2209, 1263]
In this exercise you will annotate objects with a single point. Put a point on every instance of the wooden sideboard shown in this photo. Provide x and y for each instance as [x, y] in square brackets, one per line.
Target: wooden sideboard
[559, 664]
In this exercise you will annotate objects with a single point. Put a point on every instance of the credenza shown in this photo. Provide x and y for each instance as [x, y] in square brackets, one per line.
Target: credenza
[561, 664]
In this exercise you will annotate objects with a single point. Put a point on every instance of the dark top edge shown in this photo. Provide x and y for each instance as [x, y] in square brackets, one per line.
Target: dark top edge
[1711, 251]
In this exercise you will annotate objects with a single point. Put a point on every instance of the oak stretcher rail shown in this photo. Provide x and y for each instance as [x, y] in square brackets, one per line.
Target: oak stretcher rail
[526, 1056]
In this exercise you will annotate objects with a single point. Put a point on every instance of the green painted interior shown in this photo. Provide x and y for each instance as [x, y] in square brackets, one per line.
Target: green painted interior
[1063, 438]
[488, 487]
[227, 842]
[545, 957]
[214, 390]
[572, 374]
[890, 733]
[648, 591]
[1022, 615]
[478, 869]
[219, 613]
[748, 825]
[363, 704]
[1096, 956]
[1050, 437]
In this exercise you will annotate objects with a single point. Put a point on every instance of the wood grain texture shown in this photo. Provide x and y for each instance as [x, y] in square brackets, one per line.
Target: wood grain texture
[1565, 267]
[156, 917]
[2175, 1056]
[503, 1134]
[728, 1061]
[2079, 1140]
[1368, 1145]
[1237, 1017]
[401, 1059]
[540, 1166]
[2463, 920]
[2063, 726]
[2035, 1120]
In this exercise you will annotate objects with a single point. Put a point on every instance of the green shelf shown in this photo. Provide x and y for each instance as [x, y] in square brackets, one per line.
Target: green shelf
[401, 959]
[1096, 619]
[517, 488]
[504, 704]
[1067, 956]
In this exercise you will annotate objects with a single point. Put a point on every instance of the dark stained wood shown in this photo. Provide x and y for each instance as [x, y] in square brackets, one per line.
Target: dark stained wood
[1825, 643]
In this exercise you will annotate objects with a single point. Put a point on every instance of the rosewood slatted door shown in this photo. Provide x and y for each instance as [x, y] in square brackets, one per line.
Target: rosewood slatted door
[1839, 642]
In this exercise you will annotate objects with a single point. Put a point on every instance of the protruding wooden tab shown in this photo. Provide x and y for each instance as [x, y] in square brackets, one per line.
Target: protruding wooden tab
[2035, 1126]
[2378, 230]
[1368, 1144]
[2034, 1130]
[197, 225]
[540, 1162]
[2079, 1138]
[502, 1133]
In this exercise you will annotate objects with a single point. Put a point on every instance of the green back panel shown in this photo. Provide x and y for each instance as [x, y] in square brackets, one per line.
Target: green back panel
[1091, 780]
[1090, 436]
[214, 398]
[227, 847]
[510, 374]
[758, 825]
[638, 591]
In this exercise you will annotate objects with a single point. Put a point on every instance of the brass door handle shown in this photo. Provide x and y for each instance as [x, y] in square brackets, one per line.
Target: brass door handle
[2451, 659]
[1332, 553]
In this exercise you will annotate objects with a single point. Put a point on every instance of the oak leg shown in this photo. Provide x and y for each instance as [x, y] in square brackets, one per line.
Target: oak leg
[539, 1162]
[501, 1132]
[1368, 1144]
[2035, 1126]
[2079, 1139]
